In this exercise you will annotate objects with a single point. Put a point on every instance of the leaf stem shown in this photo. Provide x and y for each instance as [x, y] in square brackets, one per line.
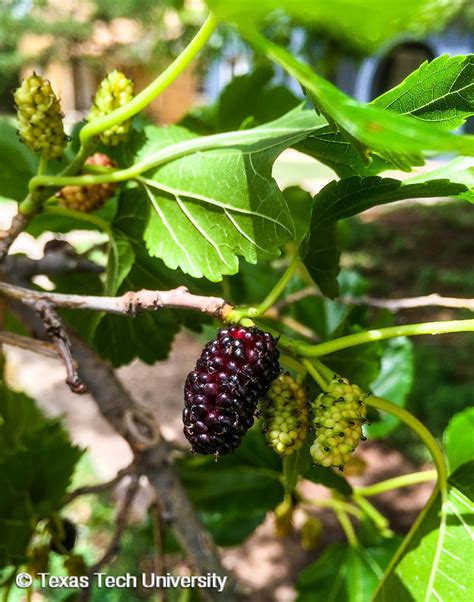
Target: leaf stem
[335, 505]
[42, 166]
[316, 375]
[279, 287]
[379, 520]
[146, 96]
[80, 215]
[405, 480]
[300, 348]
[289, 362]
[347, 527]
[324, 370]
[254, 312]
[422, 432]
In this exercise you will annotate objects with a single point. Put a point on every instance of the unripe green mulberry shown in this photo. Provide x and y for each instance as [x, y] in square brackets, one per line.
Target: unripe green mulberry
[338, 417]
[114, 91]
[285, 413]
[92, 197]
[40, 121]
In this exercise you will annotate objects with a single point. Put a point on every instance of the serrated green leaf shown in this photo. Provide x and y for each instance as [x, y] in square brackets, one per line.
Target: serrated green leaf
[148, 336]
[17, 163]
[393, 382]
[374, 22]
[458, 439]
[435, 562]
[399, 139]
[459, 170]
[439, 92]
[344, 573]
[348, 197]
[209, 207]
[331, 148]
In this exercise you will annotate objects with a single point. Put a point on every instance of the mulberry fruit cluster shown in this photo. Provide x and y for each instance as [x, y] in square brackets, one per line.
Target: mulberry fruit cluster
[40, 121]
[285, 413]
[221, 394]
[338, 417]
[114, 91]
[88, 198]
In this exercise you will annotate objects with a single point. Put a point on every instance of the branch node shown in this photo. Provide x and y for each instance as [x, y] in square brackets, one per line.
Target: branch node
[56, 332]
[140, 428]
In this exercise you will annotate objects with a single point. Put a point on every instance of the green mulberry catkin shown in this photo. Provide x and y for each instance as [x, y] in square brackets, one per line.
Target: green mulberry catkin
[285, 413]
[40, 121]
[338, 414]
[114, 92]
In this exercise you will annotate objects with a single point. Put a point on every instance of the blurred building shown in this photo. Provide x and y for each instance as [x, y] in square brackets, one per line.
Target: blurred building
[78, 66]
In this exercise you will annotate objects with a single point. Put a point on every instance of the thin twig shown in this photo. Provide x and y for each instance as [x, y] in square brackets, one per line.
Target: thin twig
[59, 258]
[131, 303]
[8, 236]
[434, 300]
[41, 347]
[114, 545]
[158, 556]
[56, 331]
[99, 487]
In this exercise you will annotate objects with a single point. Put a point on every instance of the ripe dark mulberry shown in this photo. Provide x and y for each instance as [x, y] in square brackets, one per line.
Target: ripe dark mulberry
[285, 412]
[221, 394]
[40, 121]
[114, 92]
[338, 417]
[88, 198]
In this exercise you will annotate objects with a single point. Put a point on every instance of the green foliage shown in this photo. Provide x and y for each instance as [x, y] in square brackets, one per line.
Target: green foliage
[344, 573]
[211, 206]
[434, 559]
[248, 100]
[440, 92]
[234, 494]
[36, 464]
[393, 382]
[350, 196]
[196, 198]
[361, 22]
[459, 170]
[399, 139]
[17, 163]
[458, 439]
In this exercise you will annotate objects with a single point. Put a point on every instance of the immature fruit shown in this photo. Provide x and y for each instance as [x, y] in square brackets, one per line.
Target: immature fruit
[285, 413]
[114, 91]
[63, 536]
[40, 121]
[311, 533]
[338, 417]
[88, 198]
[221, 394]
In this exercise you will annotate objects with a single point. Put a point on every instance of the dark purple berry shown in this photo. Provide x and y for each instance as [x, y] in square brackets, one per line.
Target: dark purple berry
[233, 373]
